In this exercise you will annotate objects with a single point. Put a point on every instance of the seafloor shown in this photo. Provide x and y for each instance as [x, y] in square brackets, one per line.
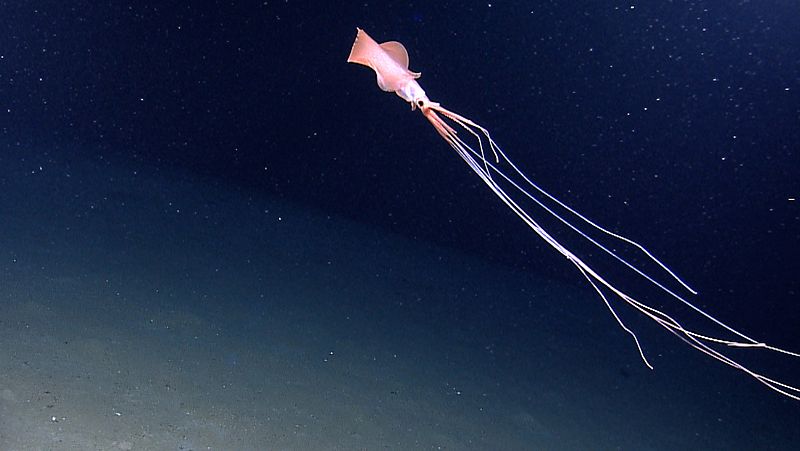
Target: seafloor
[152, 310]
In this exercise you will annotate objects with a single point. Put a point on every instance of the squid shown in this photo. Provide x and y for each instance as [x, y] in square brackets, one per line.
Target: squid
[518, 192]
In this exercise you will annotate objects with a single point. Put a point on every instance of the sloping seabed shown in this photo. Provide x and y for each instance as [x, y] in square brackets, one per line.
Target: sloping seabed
[142, 309]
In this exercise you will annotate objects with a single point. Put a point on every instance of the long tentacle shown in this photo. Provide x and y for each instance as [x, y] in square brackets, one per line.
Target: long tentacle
[484, 169]
[467, 124]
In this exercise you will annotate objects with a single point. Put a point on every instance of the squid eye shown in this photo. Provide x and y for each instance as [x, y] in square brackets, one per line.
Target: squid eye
[420, 103]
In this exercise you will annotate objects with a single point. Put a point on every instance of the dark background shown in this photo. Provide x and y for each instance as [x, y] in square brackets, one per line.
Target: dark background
[674, 123]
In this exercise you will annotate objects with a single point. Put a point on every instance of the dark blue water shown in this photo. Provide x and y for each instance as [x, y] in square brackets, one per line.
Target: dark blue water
[675, 124]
